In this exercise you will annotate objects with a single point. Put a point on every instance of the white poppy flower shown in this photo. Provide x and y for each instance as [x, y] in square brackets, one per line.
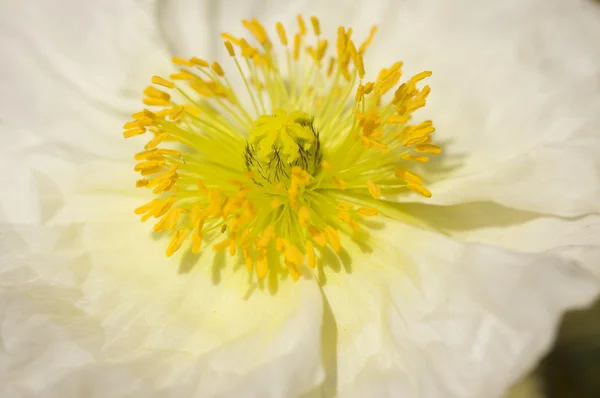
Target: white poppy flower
[456, 295]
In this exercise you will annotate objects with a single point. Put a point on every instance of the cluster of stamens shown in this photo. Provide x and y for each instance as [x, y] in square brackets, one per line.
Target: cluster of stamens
[281, 169]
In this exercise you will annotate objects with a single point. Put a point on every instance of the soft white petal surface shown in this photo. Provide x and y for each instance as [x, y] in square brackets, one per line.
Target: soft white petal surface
[514, 96]
[428, 316]
[93, 310]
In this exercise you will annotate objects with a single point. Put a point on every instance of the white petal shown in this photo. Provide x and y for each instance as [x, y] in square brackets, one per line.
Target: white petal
[513, 98]
[100, 49]
[75, 70]
[428, 316]
[495, 225]
[101, 311]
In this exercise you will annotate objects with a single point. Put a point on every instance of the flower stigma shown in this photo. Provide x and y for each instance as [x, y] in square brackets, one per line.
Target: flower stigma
[278, 167]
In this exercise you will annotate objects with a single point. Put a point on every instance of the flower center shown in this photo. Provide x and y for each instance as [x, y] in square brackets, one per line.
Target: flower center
[282, 179]
[279, 143]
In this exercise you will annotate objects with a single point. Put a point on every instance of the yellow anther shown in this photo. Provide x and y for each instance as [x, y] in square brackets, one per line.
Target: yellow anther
[172, 218]
[360, 91]
[266, 236]
[360, 67]
[344, 216]
[183, 75]
[368, 211]
[316, 26]
[374, 190]
[217, 68]
[154, 142]
[414, 158]
[421, 190]
[229, 48]
[281, 33]
[297, 44]
[138, 115]
[366, 43]
[176, 240]
[152, 101]
[197, 238]
[428, 148]
[151, 154]
[164, 207]
[219, 247]
[248, 259]
[397, 119]
[247, 50]
[407, 175]
[321, 49]
[148, 206]
[141, 183]
[293, 270]
[345, 206]
[420, 76]
[153, 92]
[339, 183]
[300, 176]
[352, 50]
[162, 82]
[388, 81]
[317, 236]
[176, 112]
[131, 125]
[199, 62]
[303, 216]
[301, 25]
[410, 141]
[226, 36]
[181, 61]
[259, 32]
[261, 264]
[150, 164]
[192, 110]
[331, 66]
[333, 237]
[133, 132]
[291, 253]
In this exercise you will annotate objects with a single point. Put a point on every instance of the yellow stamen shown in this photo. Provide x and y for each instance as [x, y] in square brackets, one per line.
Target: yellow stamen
[368, 211]
[316, 26]
[299, 167]
[281, 34]
[421, 190]
[374, 190]
[176, 241]
[229, 48]
[217, 68]
[301, 25]
[181, 61]
[162, 82]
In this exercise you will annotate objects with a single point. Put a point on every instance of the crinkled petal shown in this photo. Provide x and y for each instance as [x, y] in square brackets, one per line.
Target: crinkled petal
[492, 224]
[426, 315]
[88, 312]
[74, 70]
[513, 98]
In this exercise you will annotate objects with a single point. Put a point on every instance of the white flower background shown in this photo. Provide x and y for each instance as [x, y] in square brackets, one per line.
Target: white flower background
[459, 306]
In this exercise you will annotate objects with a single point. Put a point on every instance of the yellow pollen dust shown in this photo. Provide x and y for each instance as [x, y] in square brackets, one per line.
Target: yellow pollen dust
[279, 154]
